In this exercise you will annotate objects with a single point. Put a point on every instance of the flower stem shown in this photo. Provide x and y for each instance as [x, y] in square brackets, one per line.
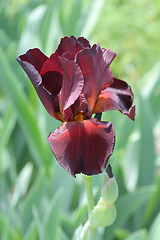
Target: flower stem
[88, 185]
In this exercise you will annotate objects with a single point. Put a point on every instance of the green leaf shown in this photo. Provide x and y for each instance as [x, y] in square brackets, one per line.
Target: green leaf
[150, 85]
[147, 148]
[21, 184]
[25, 111]
[138, 235]
[128, 205]
[38, 222]
[66, 183]
[132, 202]
[74, 17]
[33, 200]
[5, 41]
[149, 82]
[8, 124]
[67, 224]
[52, 217]
[6, 231]
[50, 30]
[130, 158]
[30, 36]
[153, 203]
[62, 235]
[90, 17]
[121, 233]
[77, 233]
[154, 231]
[80, 215]
[32, 232]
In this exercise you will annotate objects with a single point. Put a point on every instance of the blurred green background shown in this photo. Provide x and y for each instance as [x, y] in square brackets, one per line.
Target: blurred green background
[38, 199]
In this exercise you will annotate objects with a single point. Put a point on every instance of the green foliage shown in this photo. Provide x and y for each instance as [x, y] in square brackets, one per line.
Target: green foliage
[38, 199]
[138, 235]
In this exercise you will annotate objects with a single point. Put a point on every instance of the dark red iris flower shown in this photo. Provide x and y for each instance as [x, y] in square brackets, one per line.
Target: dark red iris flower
[73, 83]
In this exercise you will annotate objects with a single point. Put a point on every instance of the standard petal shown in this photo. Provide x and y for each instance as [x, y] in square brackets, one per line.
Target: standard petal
[52, 81]
[51, 71]
[84, 42]
[83, 147]
[52, 64]
[97, 74]
[72, 84]
[108, 55]
[34, 57]
[36, 79]
[69, 46]
[118, 96]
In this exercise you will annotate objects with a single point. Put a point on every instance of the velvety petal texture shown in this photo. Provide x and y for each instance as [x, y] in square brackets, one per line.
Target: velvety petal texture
[97, 74]
[118, 96]
[67, 48]
[34, 57]
[83, 147]
[52, 64]
[71, 45]
[81, 105]
[36, 79]
[73, 83]
[108, 55]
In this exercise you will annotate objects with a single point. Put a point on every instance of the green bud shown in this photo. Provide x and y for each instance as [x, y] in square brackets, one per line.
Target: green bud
[102, 215]
[106, 177]
[110, 191]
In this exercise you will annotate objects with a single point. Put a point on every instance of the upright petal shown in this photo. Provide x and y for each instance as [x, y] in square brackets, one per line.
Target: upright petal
[84, 42]
[97, 74]
[35, 57]
[108, 55]
[69, 46]
[83, 147]
[52, 64]
[72, 84]
[36, 79]
[52, 81]
[118, 96]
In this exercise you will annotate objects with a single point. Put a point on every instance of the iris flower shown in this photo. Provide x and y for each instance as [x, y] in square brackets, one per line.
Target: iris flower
[73, 83]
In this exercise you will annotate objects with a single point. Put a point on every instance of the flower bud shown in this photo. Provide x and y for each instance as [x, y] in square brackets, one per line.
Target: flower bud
[110, 191]
[102, 215]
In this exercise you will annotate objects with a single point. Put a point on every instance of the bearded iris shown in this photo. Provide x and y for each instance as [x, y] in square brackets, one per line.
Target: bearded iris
[73, 83]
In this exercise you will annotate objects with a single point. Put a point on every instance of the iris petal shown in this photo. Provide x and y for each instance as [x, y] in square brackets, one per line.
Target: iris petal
[108, 55]
[117, 96]
[52, 64]
[69, 44]
[83, 147]
[52, 81]
[84, 42]
[81, 105]
[97, 74]
[35, 57]
[67, 48]
[72, 85]
[36, 79]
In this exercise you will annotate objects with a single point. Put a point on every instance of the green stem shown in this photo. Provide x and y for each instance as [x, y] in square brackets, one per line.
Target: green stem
[88, 185]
